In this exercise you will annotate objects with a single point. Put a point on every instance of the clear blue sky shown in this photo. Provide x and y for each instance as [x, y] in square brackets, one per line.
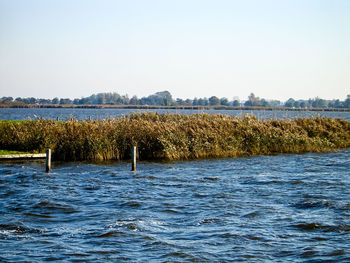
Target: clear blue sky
[276, 49]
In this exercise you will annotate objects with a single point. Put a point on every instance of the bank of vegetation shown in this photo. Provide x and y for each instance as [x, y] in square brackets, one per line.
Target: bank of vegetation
[174, 137]
[165, 99]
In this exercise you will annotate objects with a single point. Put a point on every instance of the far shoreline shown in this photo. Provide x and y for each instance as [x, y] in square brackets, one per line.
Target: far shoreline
[146, 107]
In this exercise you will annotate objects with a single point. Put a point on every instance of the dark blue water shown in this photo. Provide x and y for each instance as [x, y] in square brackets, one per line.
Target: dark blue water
[83, 114]
[286, 208]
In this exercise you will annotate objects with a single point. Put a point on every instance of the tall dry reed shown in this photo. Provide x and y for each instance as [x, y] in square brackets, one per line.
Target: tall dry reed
[174, 137]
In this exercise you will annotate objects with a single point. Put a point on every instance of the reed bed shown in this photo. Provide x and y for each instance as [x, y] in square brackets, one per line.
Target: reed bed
[174, 137]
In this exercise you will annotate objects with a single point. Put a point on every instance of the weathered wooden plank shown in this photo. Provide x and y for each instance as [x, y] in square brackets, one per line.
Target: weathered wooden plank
[23, 156]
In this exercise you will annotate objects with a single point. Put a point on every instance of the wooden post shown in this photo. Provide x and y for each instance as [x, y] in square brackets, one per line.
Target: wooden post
[133, 158]
[48, 160]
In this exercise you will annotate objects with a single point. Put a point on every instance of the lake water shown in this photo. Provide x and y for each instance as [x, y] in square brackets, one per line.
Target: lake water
[285, 208]
[83, 114]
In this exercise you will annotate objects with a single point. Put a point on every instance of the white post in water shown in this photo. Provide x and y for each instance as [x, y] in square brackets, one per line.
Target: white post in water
[48, 160]
[133, 158]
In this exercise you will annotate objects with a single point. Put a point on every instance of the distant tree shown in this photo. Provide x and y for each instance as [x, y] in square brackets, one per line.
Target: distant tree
[101, 98]
[303, 104]
[236, 103]
[143, 101]
[6, 99]
[309, 103]
[133, 100]
[252, 100]
[264, 103]
[201, 102]
[319, 103]
[296, 104]
[347, 102]
[224, 101]
[162, 98]
[214, 101]
[188, 102]
[338, 104]
[275, 103]
[93, 99]
[85, 101]
[195, 102]
[180, 102]
[125, 99]
[31, 100]
[44, 101]
[289, 103]
[65, 101]
[115, 98]
[206, 101]
[165, 98]
[55, 101]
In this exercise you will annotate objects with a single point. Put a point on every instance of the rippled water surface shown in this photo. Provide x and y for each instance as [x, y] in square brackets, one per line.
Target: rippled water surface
[83, 114]
[282, 208]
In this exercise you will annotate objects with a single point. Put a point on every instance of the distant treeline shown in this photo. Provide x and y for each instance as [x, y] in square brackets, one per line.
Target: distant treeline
[164, 98]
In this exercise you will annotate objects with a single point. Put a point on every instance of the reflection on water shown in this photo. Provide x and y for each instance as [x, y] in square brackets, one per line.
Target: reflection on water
[83, 114]
[268, 208]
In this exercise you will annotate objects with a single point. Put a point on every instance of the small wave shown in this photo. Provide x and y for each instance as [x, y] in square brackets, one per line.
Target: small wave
[206, 221]
[309, 226]
[308, 252]
[18, 228]
[252, 214]
[312, 204]
[171, 211]
[249, 256]
[198, 195]
[205, 179]
[180, 255]
[325, 228]
[104, 252]
[7, 171]
[9, 193]
[253, 237]
[38, 215]
[285, 253]
[130, 204]
[164, 244]
[130, 224]
[228, 236]
[111, 234]
[44, 205]
[296, 182]
[267, 182]
[78, 255]
[92, 188]
[133, 227]
[314, 197]
[336, 253]
[344, 207]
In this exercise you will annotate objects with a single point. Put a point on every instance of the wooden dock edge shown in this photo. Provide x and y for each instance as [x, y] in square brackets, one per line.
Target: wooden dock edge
[23, 156]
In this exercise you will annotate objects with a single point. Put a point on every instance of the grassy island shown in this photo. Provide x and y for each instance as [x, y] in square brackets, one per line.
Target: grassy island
[174, 136]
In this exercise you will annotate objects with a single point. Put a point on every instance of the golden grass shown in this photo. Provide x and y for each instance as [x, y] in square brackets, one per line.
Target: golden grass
[174, 137]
